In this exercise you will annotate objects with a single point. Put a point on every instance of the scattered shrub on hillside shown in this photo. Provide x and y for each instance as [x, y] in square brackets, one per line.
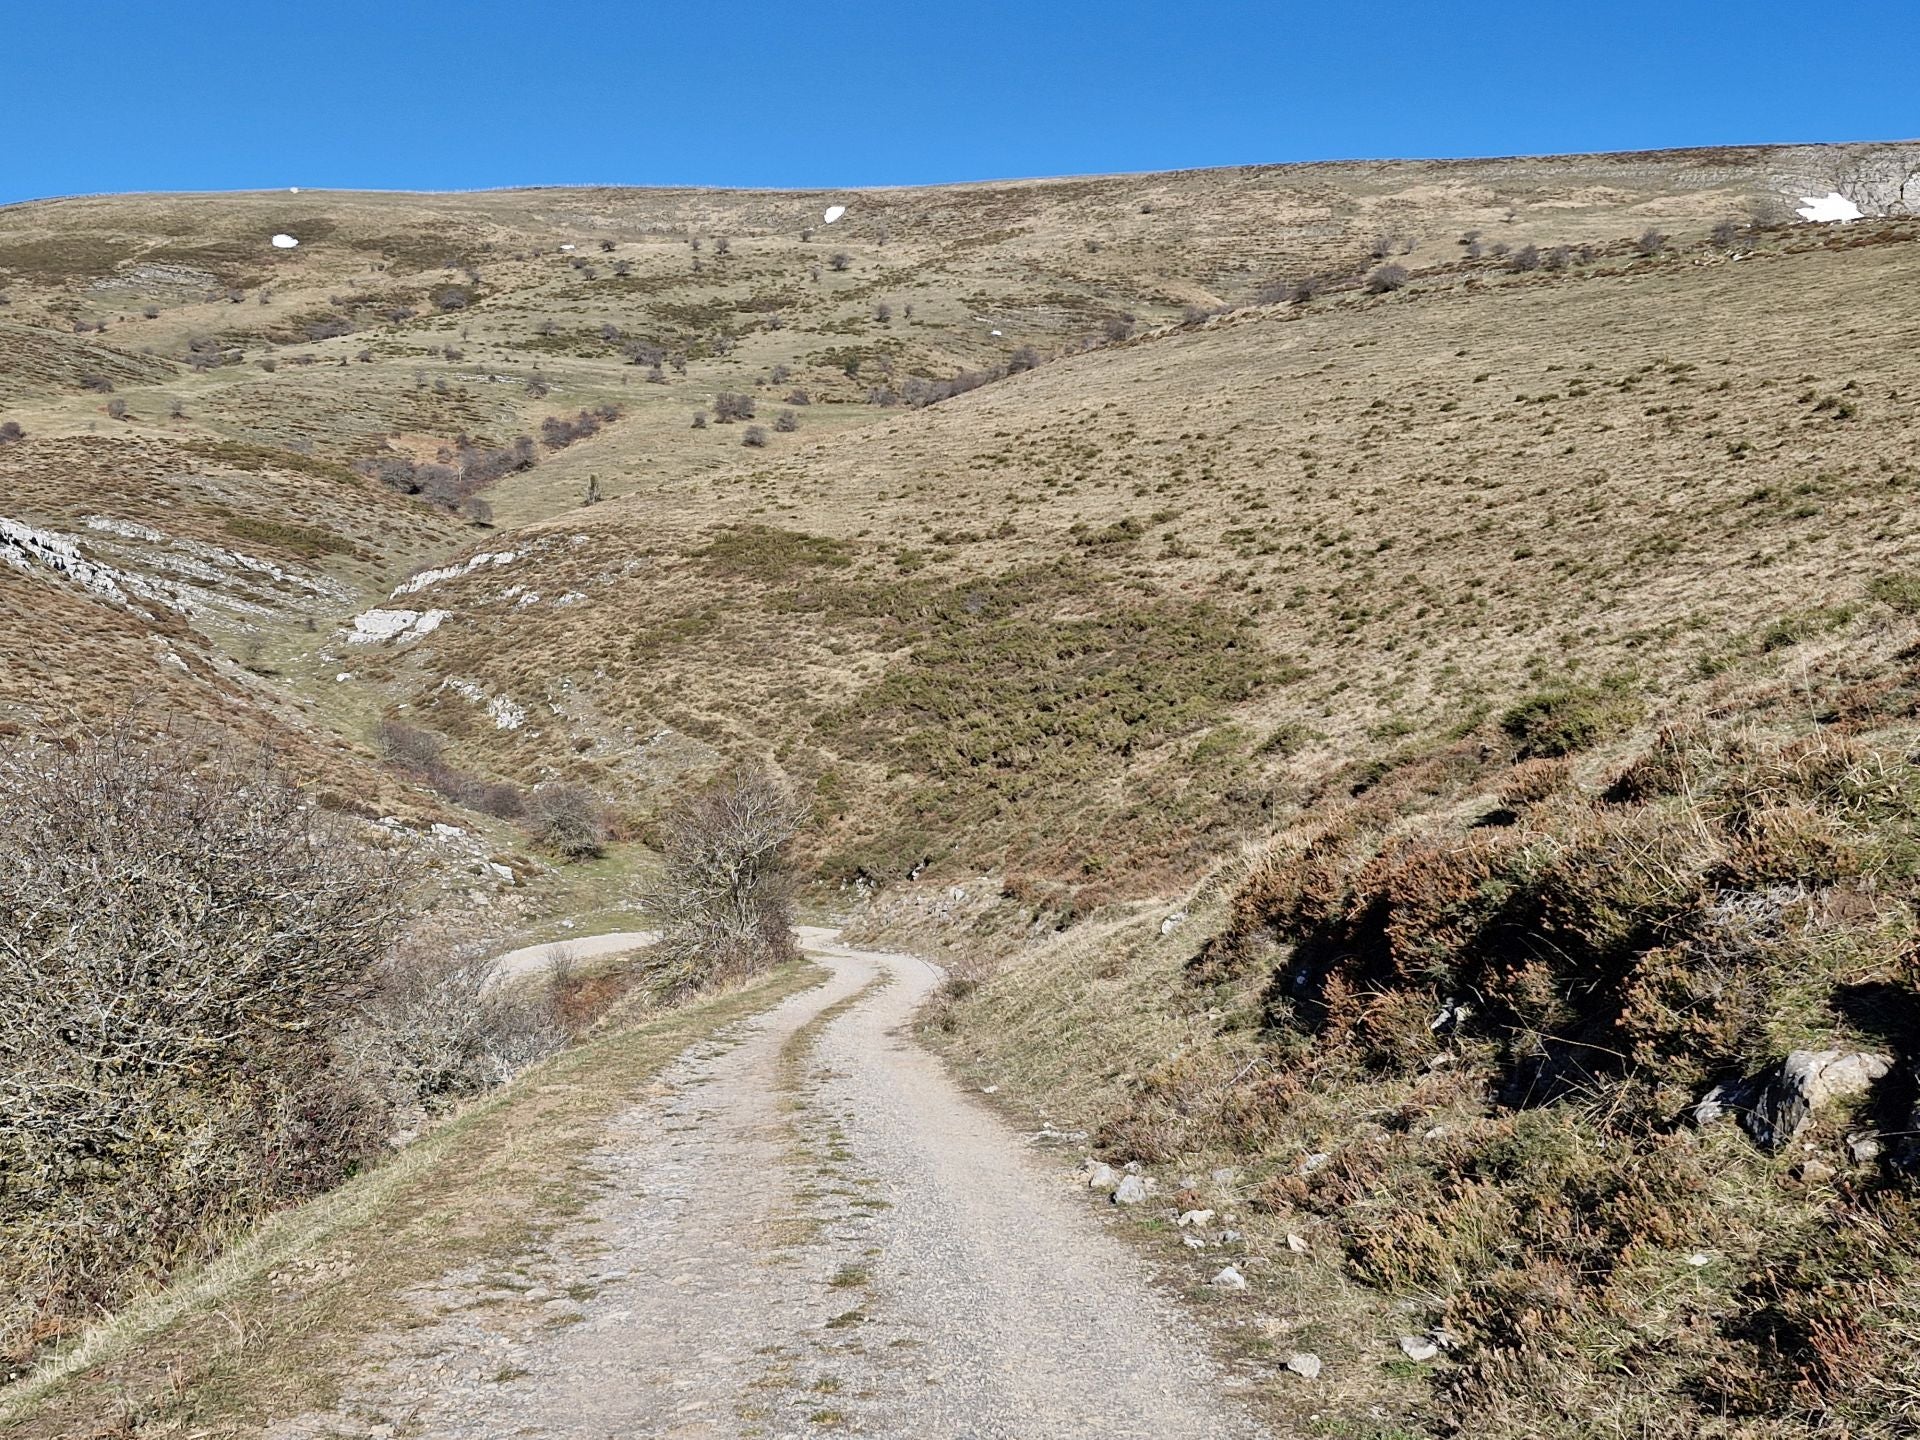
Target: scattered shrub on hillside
[755, 436]
[839, 260]
[724, 899]
[1386, 278]
[557, 431]
[786, 422]
[179, 943]
[1651, 241]
[1526, 258]
[568, 819]
[699, 419]
[1559, 722]
[116, 408]
[99, 384]
[1024, 357]
[729, 406]
[798, 396]
[11, 431]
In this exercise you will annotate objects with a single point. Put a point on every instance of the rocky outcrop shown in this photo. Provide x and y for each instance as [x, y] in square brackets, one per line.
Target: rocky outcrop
[1778, 1103]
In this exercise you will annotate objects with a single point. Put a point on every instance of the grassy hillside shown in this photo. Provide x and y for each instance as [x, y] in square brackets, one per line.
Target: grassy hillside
[1491, 584]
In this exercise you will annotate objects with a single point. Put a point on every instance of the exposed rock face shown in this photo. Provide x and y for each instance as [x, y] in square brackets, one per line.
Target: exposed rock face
[1778, 1103]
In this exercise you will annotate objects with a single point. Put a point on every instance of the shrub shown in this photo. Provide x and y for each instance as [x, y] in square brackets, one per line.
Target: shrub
[1386, 278]
[98, 384]
[839, 260]
[798, 396]
[151, 312]
[729, 406]
[699, 419]
[1024, 357]
[1651, 242]
[10, 431]
[755, 436]
[883, 312]
[436, 1028]
[786, 422]
[1526, 258]
[568, 819]
[724, 900]
[1559, 722]
[117, 408]
[179, 944]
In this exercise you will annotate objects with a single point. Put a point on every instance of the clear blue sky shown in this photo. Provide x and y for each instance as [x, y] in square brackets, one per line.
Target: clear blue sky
[397, 94]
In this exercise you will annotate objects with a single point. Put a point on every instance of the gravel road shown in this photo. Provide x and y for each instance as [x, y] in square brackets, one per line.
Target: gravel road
[532, 959]
[808, 1227]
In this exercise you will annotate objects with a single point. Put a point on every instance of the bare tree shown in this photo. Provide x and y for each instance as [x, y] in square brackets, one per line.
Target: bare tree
[724, 900]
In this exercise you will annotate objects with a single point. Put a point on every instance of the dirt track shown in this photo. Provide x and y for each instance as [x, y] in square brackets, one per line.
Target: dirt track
[808, 1227]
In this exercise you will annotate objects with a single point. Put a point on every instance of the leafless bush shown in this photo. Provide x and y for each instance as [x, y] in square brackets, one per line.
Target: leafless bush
[179, 944]
[699, 419]
[729, 406]
[839, 260]
[1386, 278]
[557, 431]
[786, 422]
[1024, 357]
[754, 436]
[883, 312]
[724, 900]
[436, 1028]
[798, 396]
[1651, 242]
[117, 408]
[1726, 233]
[150, 312]
[97, 383]
[1527, 257]
[10, 431]
[568, 819]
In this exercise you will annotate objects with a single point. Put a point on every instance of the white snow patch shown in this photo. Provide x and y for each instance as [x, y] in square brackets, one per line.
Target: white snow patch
[373, 626]
[343, 677]
[572, 597]
[284, 242]
[506, 715]
[451, 572]
[566, 247]
[1829, 209]
[834, 212]
[447, 832]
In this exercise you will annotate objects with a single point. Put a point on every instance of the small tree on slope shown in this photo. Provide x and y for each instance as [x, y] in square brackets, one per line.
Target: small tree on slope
[724, 899]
